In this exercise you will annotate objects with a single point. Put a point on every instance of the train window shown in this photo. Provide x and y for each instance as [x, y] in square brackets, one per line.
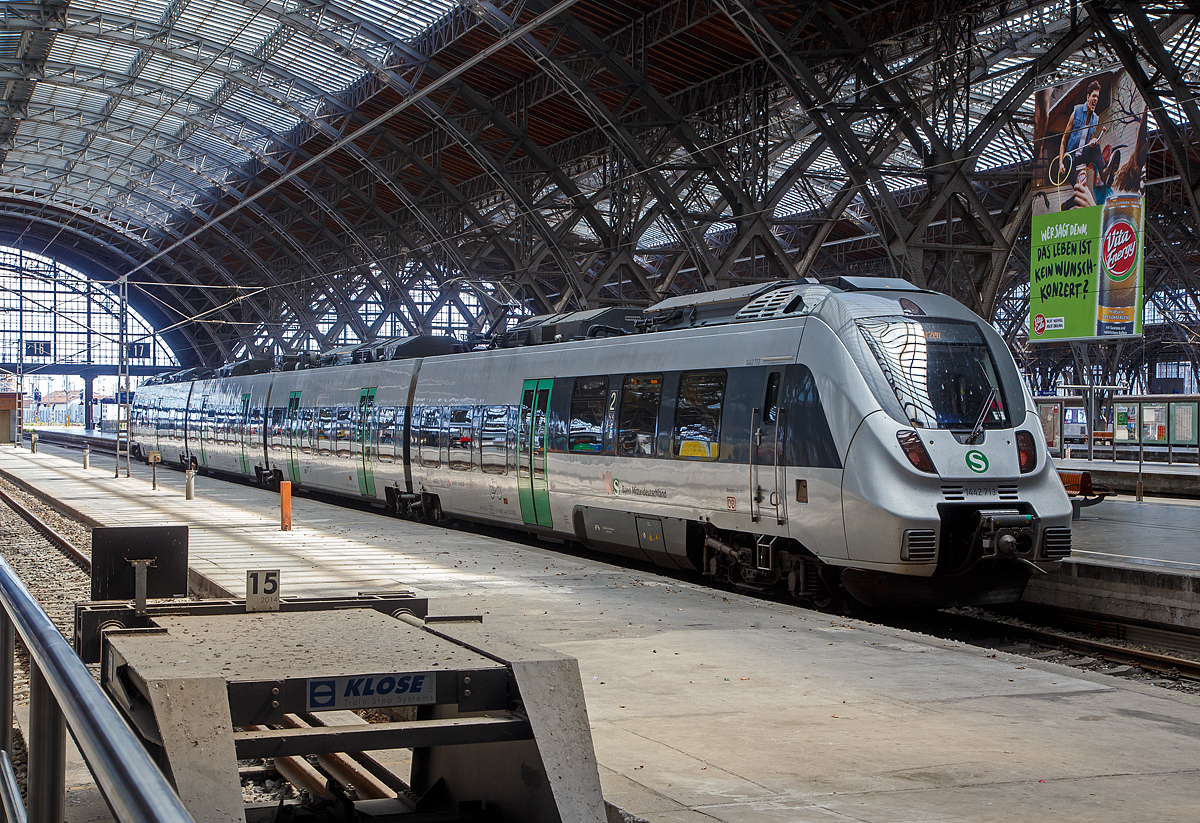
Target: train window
[587, 414]
[493, 457]
[462, 439]
[275, 438]
[637, 426]
[304, 429]
[343, 431]
[941, 371]
[429, 437]
[385, 452]
[256, 418]
[324, 431]
[771, 401]
[698, 415]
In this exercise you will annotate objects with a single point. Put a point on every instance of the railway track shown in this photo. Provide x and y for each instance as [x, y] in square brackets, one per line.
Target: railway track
[1168, 654]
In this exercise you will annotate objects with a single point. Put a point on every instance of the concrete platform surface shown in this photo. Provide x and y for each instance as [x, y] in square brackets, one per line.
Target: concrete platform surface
[707, 705]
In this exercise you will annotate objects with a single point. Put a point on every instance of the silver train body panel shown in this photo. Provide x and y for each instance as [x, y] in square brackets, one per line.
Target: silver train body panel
[502, 436]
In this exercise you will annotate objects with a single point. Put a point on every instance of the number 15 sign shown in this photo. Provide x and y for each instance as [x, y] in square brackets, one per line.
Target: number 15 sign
[262, 590]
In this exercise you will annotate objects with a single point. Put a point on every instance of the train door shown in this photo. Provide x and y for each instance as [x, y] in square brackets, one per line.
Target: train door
[291, 426]
[532, 487]
[363, 439]
[766, 455]
[244, 435]
[207, 417]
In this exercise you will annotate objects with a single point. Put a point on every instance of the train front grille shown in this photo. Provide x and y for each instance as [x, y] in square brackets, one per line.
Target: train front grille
[919, 544]
[1056, 543]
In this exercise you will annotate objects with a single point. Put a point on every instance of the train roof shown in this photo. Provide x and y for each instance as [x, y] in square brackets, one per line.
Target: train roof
[779, 299]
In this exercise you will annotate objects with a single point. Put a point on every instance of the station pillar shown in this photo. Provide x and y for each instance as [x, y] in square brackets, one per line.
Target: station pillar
[87, 402]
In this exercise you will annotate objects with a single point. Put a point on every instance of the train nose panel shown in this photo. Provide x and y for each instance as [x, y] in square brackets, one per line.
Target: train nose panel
[993, 458]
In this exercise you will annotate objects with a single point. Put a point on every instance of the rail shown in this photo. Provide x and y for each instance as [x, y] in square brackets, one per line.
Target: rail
[62, 695]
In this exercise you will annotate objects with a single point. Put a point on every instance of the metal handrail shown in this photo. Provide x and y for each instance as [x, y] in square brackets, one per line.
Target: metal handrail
[133, 786]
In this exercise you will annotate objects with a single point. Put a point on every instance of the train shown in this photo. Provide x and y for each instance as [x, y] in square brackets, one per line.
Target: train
[866, 439]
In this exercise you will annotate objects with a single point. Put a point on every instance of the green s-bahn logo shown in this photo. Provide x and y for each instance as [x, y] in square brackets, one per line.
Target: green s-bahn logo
[977, 461]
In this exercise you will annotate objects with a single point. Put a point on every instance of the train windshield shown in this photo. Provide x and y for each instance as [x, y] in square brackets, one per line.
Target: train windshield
[941, 370]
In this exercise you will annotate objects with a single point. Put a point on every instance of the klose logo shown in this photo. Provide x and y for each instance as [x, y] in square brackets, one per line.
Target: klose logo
[372, 690]
[1119, 250]
[977, 461]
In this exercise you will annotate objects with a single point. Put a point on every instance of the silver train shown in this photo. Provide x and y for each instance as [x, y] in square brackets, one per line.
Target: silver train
[874, 439]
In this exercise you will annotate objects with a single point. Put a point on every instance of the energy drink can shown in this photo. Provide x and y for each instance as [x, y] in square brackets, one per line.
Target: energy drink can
[1120, 263]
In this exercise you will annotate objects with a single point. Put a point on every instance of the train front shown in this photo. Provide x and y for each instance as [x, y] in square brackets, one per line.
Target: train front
[949, 495]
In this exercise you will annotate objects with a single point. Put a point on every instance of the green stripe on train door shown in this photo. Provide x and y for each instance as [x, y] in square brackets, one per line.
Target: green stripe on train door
[291, 426]
[532, 482]
[245, 433]
[205, 428]
[365, 437]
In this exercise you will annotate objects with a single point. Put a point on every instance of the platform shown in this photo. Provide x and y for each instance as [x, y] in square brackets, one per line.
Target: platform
[707, 705]
[1157, 478]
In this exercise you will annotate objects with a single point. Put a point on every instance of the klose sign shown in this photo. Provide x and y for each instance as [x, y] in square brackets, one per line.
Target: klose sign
[372, 691]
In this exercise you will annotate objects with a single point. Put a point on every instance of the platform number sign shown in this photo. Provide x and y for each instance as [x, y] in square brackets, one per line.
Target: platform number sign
[262, 590]
[137, 351]
[39, 348]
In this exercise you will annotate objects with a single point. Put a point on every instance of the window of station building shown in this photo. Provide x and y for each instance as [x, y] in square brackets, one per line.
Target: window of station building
[587, 414]
[462, 439]
[637, 425]
[493, 456]
[698, 415]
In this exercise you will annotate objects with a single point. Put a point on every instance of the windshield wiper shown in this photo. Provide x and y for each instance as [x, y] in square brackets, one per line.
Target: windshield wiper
[977, 432]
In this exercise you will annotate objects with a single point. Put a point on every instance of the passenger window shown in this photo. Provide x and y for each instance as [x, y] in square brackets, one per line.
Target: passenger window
[462, 438]
[637, 427]
[587, 414]
[343, 431]
[698, 415]
[494, 440]
[429, 437]
[305, 430]
[771, 401]
[386, 421]
[324, 431]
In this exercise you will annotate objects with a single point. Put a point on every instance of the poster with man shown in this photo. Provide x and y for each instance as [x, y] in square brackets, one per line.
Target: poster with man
[1090, 137]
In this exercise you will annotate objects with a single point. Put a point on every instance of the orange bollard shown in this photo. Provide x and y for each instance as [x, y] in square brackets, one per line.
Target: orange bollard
[285, 505]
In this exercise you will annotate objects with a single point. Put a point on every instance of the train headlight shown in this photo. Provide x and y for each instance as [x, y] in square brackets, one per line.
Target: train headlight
[1026, 453]
[914, 449]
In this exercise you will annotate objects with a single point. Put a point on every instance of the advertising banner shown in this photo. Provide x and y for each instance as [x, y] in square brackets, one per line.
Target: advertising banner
[1086, 245]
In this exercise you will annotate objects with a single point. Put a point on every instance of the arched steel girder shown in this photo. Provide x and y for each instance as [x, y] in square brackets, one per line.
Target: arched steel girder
[1145, 36]
[174, 205]
[345, 41]
[27, 213]
[173, 53]
[900, 233]
[229, 190]
[248, 257]
[163, 40]
[689, 231]
[317, 269]
[166, 43]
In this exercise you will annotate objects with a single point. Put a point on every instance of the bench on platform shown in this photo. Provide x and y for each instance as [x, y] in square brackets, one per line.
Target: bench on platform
[1082, 492]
